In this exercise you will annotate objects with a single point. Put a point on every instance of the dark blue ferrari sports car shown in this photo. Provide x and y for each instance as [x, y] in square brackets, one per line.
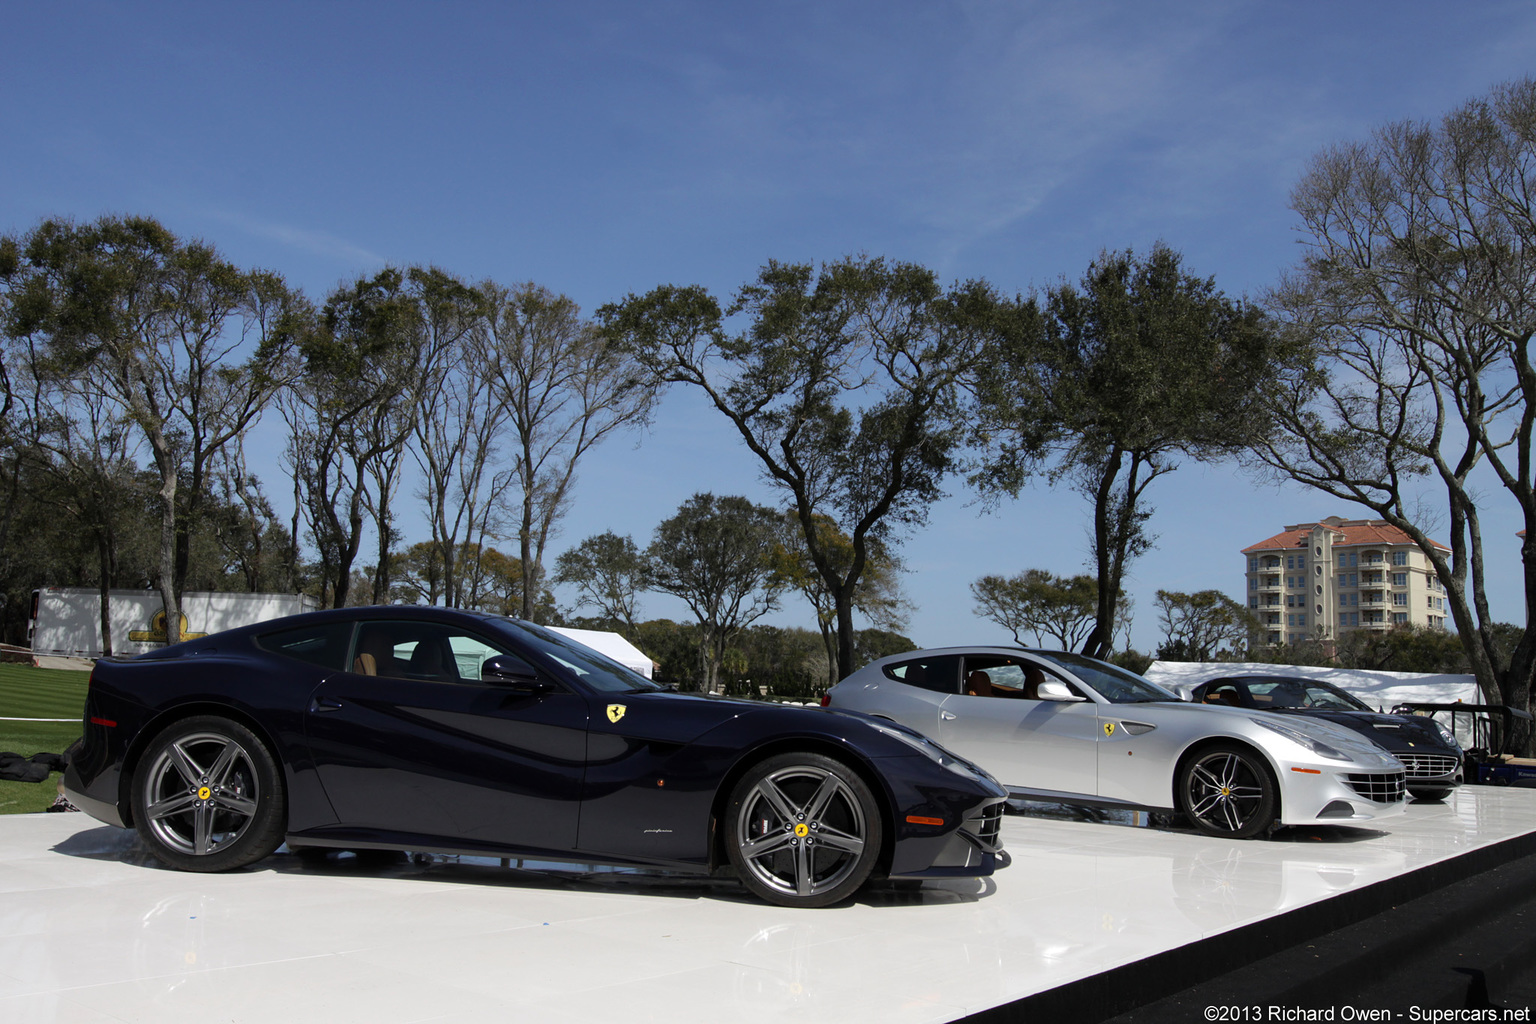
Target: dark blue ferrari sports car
[448, 731]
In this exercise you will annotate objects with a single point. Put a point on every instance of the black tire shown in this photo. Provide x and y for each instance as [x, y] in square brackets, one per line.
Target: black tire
[208, 796]
[803, 830]
[1227, 790]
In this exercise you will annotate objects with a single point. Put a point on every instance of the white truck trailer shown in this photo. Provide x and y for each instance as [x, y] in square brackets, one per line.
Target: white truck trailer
[66, 621]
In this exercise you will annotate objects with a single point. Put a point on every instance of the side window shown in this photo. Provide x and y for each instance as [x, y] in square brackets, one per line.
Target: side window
[941, 674]
[1225, 693]
[428, 651]
[993, 676]
[471, 652]
[324, 645]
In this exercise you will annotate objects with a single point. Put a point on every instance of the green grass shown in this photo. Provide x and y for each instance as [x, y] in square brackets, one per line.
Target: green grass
[27, 692]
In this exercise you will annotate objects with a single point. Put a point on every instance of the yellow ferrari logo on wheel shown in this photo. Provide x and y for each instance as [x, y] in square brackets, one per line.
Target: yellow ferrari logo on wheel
[802, 830]
[1109, 728]
[204, 793]
[615, 712]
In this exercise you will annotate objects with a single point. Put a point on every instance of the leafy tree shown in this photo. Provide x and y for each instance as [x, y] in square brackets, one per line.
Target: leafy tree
[1138, 364]
[1407, 647]
[417, 574]
[779, 662]
[1202, 626]
[1132, 660]
[565, 388]
[1035, 601]
[1416, 301]
[609, 572]
[188, 347]
[878, 595]
[849, 386]
[673, 647]
[715, 554]
[80, 451]
[874, 644]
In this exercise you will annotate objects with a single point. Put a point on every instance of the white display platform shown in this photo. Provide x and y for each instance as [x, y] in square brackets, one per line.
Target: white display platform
[91, 930]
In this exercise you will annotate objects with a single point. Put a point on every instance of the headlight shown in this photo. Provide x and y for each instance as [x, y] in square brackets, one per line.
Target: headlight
[1447, 735]
[1304, 739]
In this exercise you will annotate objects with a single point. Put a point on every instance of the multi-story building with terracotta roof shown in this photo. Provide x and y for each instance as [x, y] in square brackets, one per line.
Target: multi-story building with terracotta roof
[1321, 580]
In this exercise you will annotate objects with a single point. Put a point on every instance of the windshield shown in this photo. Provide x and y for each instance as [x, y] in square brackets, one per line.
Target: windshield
[595, 670]
[1114, 684]
[1303, 693]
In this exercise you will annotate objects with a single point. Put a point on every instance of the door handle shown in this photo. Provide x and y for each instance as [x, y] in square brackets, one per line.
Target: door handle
[945, 716]
[324, 704]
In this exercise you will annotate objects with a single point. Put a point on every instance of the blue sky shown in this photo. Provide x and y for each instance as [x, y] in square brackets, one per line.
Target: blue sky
[605, 148]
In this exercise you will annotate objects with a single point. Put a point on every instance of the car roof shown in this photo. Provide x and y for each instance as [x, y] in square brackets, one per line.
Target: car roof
[994, 649]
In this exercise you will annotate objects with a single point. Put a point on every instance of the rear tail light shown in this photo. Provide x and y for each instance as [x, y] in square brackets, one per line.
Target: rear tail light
[826, 700]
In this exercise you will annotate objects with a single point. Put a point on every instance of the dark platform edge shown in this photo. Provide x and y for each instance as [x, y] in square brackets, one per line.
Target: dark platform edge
[1430, 909]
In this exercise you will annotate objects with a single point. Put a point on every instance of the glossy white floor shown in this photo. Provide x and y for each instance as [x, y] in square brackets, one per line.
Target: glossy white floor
[92, 931]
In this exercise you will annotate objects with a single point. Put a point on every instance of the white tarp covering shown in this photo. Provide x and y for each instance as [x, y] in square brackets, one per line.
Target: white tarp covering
[66, 621]
[1378, 689]
[611, 645]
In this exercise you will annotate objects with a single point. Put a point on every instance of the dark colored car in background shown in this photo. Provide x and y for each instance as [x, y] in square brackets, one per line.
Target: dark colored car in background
[436, 730]
[1427, 748]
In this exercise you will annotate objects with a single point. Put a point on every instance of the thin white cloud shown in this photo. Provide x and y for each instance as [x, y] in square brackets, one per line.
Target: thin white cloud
[316, 243]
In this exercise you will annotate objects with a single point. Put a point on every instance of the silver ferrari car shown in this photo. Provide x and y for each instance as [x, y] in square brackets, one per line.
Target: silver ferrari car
[1062, 727]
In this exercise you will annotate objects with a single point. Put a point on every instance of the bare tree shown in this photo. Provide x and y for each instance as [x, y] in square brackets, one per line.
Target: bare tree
[351, 413]
[1416, 303]
[565, 388]
[461, 423]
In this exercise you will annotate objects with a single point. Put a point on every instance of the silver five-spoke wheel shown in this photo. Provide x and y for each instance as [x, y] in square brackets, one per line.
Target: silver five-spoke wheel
[1227, 791]
[207, 796]
[803, 830]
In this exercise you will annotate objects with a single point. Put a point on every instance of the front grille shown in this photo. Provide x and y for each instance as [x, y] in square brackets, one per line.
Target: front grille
[1428, 766]
[1382, 788]
[986, 824]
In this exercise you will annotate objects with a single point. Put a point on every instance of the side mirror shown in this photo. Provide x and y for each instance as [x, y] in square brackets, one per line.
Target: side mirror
[1056, 690]
[514, 672]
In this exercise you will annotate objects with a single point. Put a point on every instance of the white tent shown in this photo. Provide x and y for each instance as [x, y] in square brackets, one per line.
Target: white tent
[610, 645]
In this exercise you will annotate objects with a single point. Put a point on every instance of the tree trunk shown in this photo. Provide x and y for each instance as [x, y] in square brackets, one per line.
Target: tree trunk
[170, 595]
[1100, 637]
[106, 609]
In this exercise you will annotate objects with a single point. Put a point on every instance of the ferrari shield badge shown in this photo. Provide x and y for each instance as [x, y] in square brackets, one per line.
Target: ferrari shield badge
[615, 712]
[1109, 727]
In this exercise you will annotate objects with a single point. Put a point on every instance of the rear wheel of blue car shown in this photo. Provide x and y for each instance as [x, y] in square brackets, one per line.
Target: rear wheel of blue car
[208, 796]
[803, 830]
[1227, 791]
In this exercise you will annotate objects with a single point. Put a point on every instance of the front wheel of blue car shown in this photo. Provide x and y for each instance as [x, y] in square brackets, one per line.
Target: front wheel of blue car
[803, 830]
[208, 796]
[1227, 791]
